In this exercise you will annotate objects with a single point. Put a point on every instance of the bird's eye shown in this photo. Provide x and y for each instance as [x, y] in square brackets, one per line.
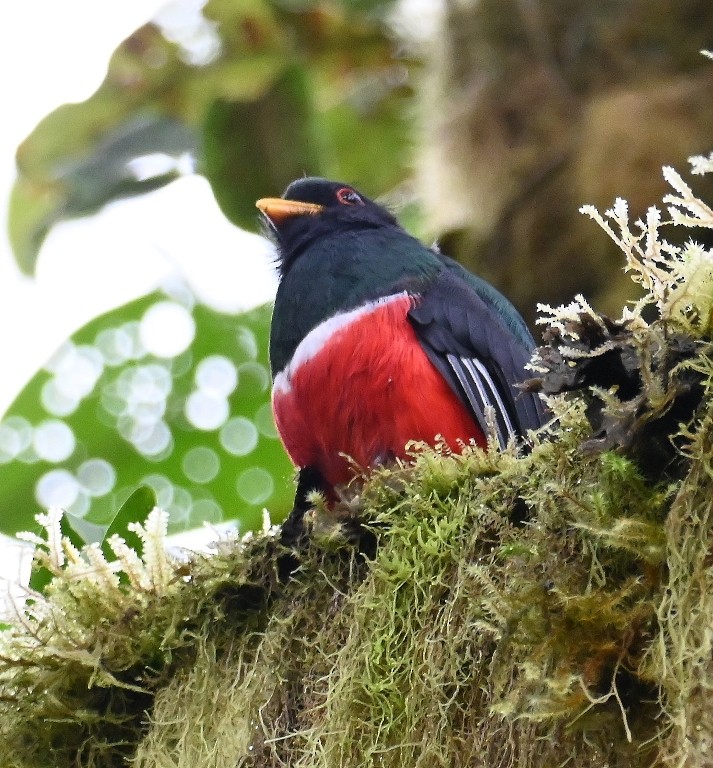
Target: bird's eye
[347, 196]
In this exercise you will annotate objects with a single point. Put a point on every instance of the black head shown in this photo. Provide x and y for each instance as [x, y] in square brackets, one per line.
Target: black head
[312, 207]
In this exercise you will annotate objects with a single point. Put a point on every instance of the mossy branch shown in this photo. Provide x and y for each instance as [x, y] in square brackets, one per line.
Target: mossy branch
[484, 609]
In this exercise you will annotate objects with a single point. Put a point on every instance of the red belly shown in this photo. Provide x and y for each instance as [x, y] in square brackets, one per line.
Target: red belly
[367, 392]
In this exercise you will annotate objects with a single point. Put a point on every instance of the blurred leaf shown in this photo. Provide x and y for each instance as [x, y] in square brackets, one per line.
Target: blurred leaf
[254, 149]
[82, 185]
[94, 180]
[106, 417]
[369, 134]
[32, 212]
[281, 88]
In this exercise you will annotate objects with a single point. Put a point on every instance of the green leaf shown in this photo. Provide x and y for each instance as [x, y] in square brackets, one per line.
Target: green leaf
[40, 577]
[254, 149]
[107, 417]
[81, 532]
[134, 510]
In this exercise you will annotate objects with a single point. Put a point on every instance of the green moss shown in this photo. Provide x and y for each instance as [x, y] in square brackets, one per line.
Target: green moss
[470, 633]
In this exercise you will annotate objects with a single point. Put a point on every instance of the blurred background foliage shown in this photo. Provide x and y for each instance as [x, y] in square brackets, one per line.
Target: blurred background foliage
[162, 393]
[486, 123]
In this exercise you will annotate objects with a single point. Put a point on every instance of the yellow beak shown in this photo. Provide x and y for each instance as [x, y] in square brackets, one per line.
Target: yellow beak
[277, 210]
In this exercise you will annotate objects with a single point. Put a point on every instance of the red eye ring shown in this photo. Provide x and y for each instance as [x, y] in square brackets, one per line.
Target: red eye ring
[347, 196]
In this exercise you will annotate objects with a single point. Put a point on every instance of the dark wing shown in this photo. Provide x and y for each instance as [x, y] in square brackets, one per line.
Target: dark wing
[480, 345]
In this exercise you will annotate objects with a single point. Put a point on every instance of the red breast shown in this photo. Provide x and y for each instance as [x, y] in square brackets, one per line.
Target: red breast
[360, 387]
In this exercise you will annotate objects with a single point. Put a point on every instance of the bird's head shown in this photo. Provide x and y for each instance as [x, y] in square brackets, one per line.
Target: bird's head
[312, 207]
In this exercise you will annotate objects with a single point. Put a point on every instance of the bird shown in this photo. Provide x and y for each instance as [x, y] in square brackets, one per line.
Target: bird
[377, 340]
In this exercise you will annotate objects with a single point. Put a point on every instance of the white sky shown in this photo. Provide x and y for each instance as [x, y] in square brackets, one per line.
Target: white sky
[55, 51]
